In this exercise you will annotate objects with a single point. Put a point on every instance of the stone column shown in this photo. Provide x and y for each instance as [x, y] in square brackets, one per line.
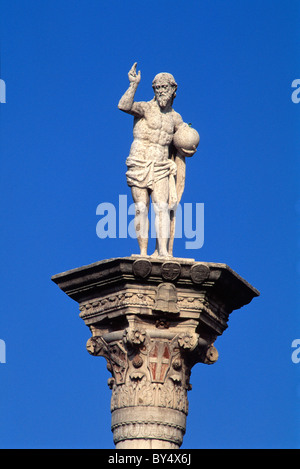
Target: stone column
[152, 320]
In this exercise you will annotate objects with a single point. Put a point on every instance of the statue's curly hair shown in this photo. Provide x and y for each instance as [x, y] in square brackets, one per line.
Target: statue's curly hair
[165, 77]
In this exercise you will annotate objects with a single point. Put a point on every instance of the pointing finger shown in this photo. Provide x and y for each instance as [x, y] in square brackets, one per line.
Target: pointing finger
[133, 68]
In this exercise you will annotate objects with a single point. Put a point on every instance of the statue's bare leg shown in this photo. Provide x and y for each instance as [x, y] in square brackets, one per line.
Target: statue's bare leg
[155, 253]
[160, 196]
[141, 199]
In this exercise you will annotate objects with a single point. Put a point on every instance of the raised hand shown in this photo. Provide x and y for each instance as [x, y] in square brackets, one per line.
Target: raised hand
[133, 76]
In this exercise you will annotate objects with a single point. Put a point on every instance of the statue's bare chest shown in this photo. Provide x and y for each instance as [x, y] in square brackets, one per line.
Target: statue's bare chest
[159, 121]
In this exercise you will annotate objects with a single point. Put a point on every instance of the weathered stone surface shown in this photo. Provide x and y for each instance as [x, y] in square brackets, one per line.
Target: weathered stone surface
[152, 322]
[156, 163]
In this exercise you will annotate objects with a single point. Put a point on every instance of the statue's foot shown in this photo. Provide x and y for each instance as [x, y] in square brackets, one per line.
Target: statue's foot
[155, 254]
[164, 255]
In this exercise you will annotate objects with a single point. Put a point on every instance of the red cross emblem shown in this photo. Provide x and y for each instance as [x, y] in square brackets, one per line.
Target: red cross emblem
[159, 361]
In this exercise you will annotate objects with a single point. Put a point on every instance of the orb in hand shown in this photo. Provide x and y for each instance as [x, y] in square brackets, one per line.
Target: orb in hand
[186, 138]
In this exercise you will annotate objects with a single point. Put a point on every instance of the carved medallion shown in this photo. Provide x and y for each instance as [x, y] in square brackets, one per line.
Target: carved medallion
[134, 337]
[199, 273]
[142, 268]
[170, 271]
[137, 361]
[187, 340]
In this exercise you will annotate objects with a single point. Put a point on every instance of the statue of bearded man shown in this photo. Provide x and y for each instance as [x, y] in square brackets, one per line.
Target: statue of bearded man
[152, 169]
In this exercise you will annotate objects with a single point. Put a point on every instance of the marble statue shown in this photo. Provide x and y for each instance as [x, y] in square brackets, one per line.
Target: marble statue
[156, 163]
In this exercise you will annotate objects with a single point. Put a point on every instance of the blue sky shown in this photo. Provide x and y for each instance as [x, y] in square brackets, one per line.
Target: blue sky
[63, 149]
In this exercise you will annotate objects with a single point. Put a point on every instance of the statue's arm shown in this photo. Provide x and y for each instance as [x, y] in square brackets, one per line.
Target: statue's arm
[127, 103]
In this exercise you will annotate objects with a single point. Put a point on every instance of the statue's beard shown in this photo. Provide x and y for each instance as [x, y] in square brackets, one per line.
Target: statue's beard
[164, 101]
